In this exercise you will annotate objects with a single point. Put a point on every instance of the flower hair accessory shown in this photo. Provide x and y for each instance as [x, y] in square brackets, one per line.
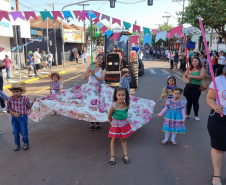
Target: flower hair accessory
[168, 77]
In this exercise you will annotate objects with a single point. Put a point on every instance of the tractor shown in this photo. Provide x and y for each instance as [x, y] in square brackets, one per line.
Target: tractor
[119, 55]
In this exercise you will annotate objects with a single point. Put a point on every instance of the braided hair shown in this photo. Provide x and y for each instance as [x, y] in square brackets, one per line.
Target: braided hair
[127, 100]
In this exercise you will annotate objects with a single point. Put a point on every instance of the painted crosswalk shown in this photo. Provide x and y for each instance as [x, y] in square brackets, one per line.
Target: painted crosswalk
[159, 72]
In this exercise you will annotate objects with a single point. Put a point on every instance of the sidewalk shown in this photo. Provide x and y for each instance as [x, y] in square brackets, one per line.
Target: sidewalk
[14, 74]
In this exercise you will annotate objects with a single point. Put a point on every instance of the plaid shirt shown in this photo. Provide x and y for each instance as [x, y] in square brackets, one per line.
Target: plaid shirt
[3, 96]
[124, 82]
[21, 106]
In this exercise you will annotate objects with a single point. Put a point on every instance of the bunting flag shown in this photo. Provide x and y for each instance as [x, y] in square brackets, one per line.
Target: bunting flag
[124, 38]
[16, 15]
[168, 35]
[13, 49]
[105, 17]
[127, 25]
[147, 39]
[30, 14]
[146, 31]
[1, 49]
[176, 30]
[104, 29]
[46, 14]
[85, 14]
[78, 14]
[114, 20]
[97, 14]
[154, 31]
[7, 50]
[67, 14]
[95, 21]
[161, 35]
[108, 33]
[91, 14]
[136, 28]
[26, 44]
[4, 14]
[99, 25]
[57, 14]
[115, 36]
[134, 40]
[19, 47]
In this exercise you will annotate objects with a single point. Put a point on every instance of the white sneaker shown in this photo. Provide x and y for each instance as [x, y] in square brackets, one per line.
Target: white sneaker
[4, 110]
[197, 119]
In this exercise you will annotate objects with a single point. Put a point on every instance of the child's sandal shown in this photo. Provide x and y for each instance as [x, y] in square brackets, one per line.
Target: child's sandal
[164, 142]
[174, 142]
[112, 162]
[127, 161]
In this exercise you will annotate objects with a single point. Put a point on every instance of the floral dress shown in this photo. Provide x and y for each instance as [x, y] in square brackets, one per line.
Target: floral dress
[120, 125]
[174, 118]
[55, 86]
[167, 92]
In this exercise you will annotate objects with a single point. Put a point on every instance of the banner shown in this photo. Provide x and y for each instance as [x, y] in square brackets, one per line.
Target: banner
[73, 36]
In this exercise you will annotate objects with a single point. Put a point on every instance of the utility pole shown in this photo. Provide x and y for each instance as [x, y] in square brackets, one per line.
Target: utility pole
[167, 18]
[55, 42]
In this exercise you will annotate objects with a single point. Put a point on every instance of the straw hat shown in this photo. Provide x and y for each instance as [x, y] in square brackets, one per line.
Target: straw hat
[18, 86]
[125, 70]
[55, 73]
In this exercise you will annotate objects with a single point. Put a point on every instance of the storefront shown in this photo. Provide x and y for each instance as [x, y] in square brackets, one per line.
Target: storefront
[7, 36]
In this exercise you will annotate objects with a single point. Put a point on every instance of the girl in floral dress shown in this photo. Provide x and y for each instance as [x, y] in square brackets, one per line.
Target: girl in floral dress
[167, 91]
[55, 85]
[120, 125]
[175, 116]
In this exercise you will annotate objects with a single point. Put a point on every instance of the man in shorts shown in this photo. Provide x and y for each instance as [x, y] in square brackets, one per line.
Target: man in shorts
[29, 63]
[37, 61]
[50, 59]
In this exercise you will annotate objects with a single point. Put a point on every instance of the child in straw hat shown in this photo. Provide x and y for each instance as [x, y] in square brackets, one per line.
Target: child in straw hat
[55, 85]
[19, 107]
[125, 79]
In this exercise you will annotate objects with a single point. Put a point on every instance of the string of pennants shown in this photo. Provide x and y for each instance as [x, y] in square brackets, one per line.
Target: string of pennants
[96, 18]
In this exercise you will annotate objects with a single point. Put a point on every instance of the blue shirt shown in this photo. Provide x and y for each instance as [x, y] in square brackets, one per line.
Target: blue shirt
[30, 60]
[124, 82]
[191, 54]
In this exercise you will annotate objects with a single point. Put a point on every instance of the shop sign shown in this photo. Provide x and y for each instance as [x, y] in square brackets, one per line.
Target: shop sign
[4, 24]
[37, 33]
[74, 36]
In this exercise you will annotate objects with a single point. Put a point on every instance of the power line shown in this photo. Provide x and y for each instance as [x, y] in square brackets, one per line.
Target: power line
[32, 4]
[25, 6]
[101, 6]
[131, 3]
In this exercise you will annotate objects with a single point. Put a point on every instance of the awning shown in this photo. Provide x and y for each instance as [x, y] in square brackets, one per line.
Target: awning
[195, 37]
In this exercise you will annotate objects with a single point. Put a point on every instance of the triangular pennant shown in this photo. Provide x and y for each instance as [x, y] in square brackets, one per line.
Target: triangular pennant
[1, 49]
[19, 47]
[85, 14]
[99, 25]
[4, 14]
[7, 50]
[134, 40]
[105, 17]
[46, 14]
[108, 33]
[114, 20]
[13, 49]
[146, 31]
[57, 14]
[115, 36]
[78, 14]
[30, 14]
[147, 39]
[95, 21]
[67, 14]
[124, 38]
[176, 30]
[16, 15]
[104, 29]
[161, 35]
[154, 31]
[91, 14]
[26, 44]
[127, 25]
[97, 14]
[136, 28]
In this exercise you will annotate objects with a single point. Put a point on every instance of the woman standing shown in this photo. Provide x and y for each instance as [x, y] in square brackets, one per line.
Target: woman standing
[2, 101]
[176, 60]
[96, 76]
[216, 126]
[191, 91]
[8, 65]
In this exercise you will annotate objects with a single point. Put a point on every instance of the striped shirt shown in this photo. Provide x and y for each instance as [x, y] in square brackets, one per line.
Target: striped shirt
[3, 96]
[21, 106]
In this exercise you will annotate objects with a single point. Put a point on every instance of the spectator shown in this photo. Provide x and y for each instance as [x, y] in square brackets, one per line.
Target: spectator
[8, 65]
[29, 63]
[203, 59]
[37, 61]
[50, 59]
[191, 55]
[221, 63]
[84, 58]
[44, 60]
[176, 60]
[2, 101]
[76, 57]
[214, 64]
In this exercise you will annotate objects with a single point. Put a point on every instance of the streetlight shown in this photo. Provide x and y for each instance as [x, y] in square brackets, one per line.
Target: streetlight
[167, 18]
[171, 15]
[150, 2]
[112, 3]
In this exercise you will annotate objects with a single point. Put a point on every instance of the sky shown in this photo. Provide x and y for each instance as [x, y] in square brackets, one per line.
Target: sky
[146, 16]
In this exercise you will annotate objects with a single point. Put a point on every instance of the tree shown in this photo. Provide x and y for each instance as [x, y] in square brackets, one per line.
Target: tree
[212, 11]
[141, 40]
[96, 38]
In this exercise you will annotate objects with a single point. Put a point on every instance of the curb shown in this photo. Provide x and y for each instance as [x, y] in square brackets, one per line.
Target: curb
[38, 78]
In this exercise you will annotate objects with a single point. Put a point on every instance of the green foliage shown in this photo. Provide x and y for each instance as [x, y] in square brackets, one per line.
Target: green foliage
[212, 11]
[141, 40]
[96, 37]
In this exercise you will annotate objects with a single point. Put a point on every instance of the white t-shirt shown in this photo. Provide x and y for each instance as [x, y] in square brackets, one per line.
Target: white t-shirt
[50, 57]
[147, 51]
[167, 51]
[222, 61]
[37, 58]
[203, 60]
[141, 56]
[221, 87]
[84, 56]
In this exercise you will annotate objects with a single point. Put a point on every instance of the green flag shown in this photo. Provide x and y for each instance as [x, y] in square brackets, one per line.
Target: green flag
[135, 24]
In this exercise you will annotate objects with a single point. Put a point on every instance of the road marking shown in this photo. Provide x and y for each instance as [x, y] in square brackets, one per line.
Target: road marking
[164, 71]
[152, 71]
[49, 87]
[178, 73]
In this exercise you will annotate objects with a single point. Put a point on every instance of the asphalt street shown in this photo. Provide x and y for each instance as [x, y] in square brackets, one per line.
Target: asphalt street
[64, 152]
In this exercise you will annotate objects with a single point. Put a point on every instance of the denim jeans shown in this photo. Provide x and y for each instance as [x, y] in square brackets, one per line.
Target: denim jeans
[85, 61]
[7, 71]
[158, 56]
[207, 69]
[74, 58]
[50, 64]
[20, 126]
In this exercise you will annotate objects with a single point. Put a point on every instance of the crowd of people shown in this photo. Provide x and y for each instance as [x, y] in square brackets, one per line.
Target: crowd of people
[82, 54]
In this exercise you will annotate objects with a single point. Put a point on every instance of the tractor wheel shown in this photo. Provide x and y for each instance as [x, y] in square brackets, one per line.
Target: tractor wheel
[141, 69]
[133, 68]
